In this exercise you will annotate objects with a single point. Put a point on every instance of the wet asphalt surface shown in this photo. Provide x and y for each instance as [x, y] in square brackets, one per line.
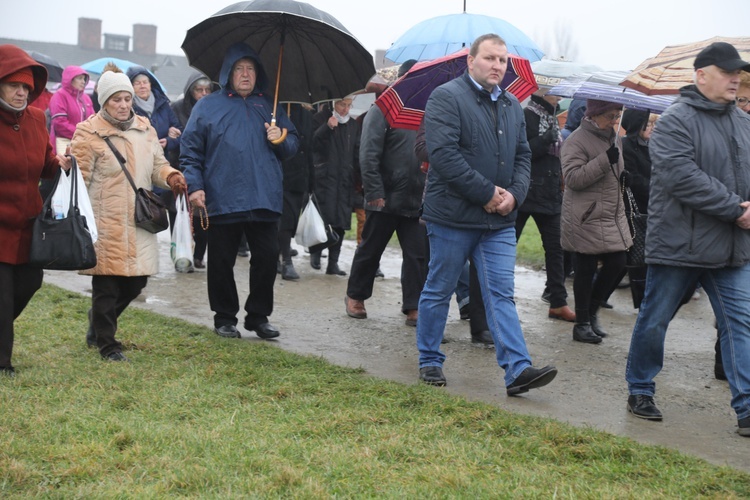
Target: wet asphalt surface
[589, 391]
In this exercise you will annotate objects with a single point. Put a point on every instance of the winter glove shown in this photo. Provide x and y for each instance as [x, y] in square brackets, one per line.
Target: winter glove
[177, 183]
[549, 136]
[613, 154]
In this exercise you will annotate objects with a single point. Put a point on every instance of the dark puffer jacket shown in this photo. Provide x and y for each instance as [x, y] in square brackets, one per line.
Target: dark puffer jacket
[474, 144]
[700, 174]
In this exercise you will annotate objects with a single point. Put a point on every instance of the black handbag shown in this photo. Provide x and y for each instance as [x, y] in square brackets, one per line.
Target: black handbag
[332, 237]
[637, 222]
[150, 211]
[62, 244]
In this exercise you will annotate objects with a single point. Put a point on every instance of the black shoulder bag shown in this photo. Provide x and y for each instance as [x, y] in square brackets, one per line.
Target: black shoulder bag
[62, 244]
[150, 212]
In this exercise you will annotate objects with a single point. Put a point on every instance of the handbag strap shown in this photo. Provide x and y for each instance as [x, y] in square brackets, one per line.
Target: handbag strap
[121, 160]
[73, 206]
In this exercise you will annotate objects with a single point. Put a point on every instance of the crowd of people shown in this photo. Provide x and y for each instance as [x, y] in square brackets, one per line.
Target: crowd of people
[457, 193]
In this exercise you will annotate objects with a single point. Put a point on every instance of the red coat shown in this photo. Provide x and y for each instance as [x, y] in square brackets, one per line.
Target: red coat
[25, 157]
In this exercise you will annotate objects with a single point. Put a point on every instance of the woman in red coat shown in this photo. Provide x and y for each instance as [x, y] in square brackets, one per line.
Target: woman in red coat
[25, 157]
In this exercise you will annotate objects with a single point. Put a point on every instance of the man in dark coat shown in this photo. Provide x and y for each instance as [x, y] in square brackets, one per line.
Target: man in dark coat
[544, 199]
[479, 173]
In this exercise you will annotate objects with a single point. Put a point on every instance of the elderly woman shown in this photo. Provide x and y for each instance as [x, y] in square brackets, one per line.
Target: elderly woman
[25, 157]
[126, 254]
[594, 225]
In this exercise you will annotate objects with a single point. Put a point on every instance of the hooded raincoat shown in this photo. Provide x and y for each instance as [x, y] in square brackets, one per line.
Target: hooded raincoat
[68, 106]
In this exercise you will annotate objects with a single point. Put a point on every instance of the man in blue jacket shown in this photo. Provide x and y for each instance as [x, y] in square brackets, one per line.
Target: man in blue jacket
[232, 158]
[480, 164]
[698, 228]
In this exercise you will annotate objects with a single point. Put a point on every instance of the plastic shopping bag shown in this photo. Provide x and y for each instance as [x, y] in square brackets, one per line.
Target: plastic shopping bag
[311, 230]
[61, 201]
[181, 249]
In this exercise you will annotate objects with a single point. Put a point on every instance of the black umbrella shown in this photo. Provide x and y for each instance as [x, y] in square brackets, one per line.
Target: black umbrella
[54, 68]
[321, 59]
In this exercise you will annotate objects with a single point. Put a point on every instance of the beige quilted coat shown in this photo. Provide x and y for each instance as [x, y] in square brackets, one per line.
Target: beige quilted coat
[122, 249]
[593, 212]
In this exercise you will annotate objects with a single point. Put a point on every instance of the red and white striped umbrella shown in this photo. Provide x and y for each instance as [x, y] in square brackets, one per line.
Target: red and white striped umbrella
[404, 102]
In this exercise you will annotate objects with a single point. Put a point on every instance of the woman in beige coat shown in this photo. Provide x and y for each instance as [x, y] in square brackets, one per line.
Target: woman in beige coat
[594, 226]
[126, 255]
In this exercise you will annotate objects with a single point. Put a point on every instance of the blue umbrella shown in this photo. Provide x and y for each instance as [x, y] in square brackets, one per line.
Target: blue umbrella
[97, 67]
[605, 86]
[443, 35]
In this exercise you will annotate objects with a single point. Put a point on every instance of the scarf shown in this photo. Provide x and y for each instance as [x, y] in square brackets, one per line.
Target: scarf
[7, 107]
[547, 121]
[117, 123]
[341, 119]
[148, 105]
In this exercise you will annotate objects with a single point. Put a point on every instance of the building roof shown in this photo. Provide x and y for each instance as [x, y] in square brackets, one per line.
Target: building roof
[171, 70]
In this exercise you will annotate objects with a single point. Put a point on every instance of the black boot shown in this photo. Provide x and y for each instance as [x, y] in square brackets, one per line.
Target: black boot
[288, 272]
[594, 320]
[315, 260]
[333, 261]
[582, 332]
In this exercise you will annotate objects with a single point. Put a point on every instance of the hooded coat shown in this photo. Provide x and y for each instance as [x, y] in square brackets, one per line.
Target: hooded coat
[593, 213]
[225, 152]
[122, 249]
[68, 106]
[183, 107]
[700, 174]
[25, 157]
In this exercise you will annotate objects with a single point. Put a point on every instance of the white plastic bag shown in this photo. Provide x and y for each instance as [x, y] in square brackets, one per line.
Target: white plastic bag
[181, 249]
[61, 201]
[311, 230]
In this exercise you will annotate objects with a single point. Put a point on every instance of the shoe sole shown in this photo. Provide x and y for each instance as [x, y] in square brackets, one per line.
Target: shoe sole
[435, 383]
[233, 336]
[644, 417]
[267, 337]
[597, 340]
[744, 431]
[542, 380]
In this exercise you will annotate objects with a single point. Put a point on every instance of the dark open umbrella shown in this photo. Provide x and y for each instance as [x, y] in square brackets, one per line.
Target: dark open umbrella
[54, 68]
[403, 103]
[306, 52]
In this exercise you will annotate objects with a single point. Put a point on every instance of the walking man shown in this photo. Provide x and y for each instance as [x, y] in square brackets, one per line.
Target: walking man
[232, 158]
[479, 175]
[699, 217]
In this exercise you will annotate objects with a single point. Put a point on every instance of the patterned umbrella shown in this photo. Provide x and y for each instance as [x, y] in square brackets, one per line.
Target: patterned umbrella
[443, 35]
[672, 68]
[404, 102]
[605, 86]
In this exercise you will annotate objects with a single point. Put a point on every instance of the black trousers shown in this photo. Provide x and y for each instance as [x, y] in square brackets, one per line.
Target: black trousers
[378, 230]
[554, 261]
[590, 292]
[110, 296]
[223, 241]
[18, 284]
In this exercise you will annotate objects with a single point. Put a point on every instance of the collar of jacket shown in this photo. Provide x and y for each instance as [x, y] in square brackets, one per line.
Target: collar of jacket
[691, 96]
[590, 126]
[482, 92]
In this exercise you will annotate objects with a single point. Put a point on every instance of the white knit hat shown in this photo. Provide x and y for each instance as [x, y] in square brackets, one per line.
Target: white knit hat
[110, 83]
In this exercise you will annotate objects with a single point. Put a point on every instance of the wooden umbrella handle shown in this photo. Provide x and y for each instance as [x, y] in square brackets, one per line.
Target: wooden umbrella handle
[281, 139]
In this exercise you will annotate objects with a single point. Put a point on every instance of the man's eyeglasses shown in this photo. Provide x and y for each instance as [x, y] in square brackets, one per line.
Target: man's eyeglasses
[742, 101]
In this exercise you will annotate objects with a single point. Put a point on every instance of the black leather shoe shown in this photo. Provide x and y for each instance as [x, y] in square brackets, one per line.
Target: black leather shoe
[483, 337]
[7, 371]
[464, 312]
[432, 375]
[743, 426]
[293, 252]
[597, 327]
[607, 305]
[335, 270]
[228, 331]
[379, 273]
[265, 331]
[582, 332]
[288, 272]
[315, 260]
[531, 378]
[643, 406]
[115, 356]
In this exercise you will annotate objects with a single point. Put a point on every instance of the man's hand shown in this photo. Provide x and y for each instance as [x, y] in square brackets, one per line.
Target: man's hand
[491, 206]
[273, 132]
[198, 199]
[333, 122]
[507, 205]
[744, 220]
[378, 202]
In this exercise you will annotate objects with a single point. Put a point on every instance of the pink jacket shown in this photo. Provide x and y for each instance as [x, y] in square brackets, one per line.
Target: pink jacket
[68, 106]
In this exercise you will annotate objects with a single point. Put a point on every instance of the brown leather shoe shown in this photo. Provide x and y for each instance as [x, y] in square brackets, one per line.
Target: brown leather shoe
[355, 308]
[411, 317]
[564, 313]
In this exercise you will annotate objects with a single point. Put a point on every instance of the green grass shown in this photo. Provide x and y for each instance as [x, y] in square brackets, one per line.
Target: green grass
[194, 415]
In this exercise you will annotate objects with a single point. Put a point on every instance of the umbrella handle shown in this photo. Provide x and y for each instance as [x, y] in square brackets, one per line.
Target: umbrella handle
[281, 139]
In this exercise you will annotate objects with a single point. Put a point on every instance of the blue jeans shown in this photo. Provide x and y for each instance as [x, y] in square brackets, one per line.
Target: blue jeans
[494, 255]
[729, 294]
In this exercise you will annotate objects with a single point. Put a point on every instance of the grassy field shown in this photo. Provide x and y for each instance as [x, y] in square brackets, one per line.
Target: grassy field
[194, 415]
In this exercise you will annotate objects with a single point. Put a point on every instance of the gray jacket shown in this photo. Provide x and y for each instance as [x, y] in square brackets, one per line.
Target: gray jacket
[700, 153]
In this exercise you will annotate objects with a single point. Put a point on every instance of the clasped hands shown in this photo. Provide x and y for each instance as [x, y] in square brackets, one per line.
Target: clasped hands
[744, 220]
[502, 202]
